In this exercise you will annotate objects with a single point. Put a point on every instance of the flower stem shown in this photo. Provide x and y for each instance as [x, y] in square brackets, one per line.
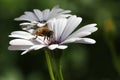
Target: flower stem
[58, 69]
[49, 65]
[56, 57]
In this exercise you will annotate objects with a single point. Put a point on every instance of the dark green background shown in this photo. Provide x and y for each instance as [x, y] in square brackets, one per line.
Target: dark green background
[100, 61]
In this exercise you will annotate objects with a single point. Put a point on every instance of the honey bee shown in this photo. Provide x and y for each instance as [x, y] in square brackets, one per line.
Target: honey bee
[44, 32]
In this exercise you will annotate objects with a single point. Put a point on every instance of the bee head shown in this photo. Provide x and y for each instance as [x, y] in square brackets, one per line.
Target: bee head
[50, 34]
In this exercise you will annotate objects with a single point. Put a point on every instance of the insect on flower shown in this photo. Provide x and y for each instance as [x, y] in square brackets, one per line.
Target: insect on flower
[44, 32]
[55, 35]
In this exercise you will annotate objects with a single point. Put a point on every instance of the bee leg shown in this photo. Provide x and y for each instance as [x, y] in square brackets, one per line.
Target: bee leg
[48, 38]
[34, 37]
[44, 38]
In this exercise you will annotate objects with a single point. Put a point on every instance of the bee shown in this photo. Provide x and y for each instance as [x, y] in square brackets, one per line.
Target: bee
[44, 32]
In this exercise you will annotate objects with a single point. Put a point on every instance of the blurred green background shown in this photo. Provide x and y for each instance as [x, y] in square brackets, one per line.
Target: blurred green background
[100, 61]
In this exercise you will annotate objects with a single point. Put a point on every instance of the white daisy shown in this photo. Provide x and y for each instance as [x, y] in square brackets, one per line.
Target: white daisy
[40, 18]
[64, 33]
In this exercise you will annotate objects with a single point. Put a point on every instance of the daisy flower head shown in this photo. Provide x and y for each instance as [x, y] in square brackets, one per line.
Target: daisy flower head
[63, 33]
[40, 18]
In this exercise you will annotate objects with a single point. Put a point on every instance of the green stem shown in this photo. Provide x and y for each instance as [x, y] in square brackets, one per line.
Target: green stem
[57, 66]
[49, 65]
[60, 71]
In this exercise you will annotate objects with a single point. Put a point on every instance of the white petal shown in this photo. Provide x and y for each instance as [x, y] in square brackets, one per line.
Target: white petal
[62, 47]
[86, 41]
[27, 27]
[58, 27]
[39, 47]
[84, 31]
[66, 11]
[25, 18]
[39, 14]
[73, 22]
[89, 28]
[21, 42]
[27, 50]
[57, 12]
[53, 46]
[41, 24]
[53, 12]
[31, 31]
[21, 34]
[51, 23]
[79, 34]
[25, 23]
[31, 15]
[35, 47]
[70, 40]
[63, 14]
[46, 14]
[24, 47]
